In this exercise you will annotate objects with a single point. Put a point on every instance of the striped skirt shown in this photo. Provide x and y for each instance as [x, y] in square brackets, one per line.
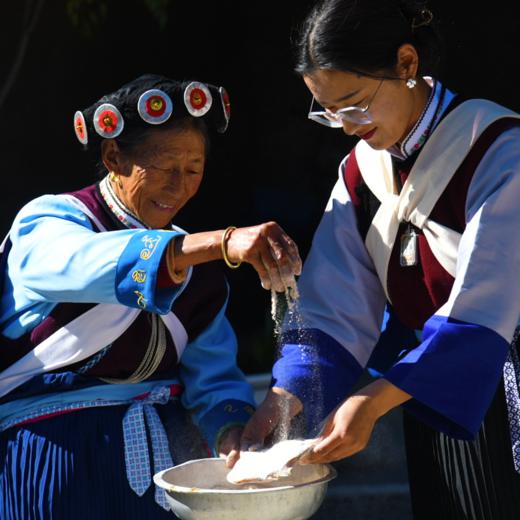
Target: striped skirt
[72, 467]
[463, 480]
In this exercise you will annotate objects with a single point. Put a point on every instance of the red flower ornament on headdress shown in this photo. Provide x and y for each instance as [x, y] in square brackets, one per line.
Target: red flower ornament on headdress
[197, 99]
[226, 107]
[80, 127]
[108, 121]
[154, 106]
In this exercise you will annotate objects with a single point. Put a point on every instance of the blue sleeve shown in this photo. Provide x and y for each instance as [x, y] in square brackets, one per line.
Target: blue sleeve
[452, 375]
[56, 256]
[395, 339]
[216, 390]
[318, 370]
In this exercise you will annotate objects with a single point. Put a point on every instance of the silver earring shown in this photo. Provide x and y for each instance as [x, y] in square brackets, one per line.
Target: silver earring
[410, 83]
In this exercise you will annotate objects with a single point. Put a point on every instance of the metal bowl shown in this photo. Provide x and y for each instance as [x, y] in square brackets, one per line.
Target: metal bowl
[198, 490]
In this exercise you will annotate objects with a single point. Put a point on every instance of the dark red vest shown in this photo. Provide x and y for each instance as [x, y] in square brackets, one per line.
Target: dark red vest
[196, 307]
[418, 292]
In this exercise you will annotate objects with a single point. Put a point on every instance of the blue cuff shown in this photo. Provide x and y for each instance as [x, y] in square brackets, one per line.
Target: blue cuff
[395, 339]
[136, 275]
[226, 414]
[318, 370]
[452, 375]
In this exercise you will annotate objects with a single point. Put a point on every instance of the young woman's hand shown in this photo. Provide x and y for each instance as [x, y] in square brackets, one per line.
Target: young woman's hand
[347, 431]
[349, 427]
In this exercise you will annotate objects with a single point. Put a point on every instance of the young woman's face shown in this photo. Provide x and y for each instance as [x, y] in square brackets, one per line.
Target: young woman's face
[162, 175]
[394, 109]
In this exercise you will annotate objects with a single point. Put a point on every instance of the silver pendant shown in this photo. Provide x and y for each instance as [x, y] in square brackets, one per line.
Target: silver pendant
[408, 256]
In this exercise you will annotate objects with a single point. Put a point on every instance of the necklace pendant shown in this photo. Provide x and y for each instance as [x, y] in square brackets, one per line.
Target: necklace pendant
[408, 256]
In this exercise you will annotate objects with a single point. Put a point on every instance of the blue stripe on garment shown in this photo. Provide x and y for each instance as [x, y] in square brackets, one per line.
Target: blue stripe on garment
[137, 268]
[318, 370]
[71, 467]
[452, 375]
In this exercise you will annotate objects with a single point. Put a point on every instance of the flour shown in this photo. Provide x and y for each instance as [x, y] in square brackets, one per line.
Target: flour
[279, 308]
[270, 464]
[287, 316]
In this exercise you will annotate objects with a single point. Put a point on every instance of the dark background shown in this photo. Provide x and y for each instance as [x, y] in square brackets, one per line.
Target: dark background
[57, 56]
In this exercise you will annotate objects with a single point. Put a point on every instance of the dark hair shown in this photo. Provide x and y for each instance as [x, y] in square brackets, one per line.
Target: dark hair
[362, 36]
[135, 135]
[126, 98]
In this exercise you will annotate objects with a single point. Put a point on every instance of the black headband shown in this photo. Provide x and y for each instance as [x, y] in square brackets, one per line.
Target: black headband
[153, 106]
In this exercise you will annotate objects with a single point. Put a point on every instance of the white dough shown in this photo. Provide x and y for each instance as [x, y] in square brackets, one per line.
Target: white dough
[270, 464]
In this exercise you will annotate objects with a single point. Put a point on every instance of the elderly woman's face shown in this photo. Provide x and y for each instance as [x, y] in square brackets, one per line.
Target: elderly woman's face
[162, 174]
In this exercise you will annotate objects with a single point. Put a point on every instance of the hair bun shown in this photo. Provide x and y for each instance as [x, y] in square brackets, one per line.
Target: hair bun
[416, 13]
[423, 19]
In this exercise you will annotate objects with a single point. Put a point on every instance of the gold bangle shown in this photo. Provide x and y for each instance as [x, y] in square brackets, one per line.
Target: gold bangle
[176, 276]
[223, 248]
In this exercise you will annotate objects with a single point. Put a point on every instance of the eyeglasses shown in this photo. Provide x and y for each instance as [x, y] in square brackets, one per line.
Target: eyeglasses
[353, 114]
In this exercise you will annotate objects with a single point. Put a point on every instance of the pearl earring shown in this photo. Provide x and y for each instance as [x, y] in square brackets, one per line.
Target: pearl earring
[410, 83]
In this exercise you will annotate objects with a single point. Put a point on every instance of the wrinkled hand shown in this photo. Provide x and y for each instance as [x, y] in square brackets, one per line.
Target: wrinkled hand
[347, 431]
[277, 409]
[229, 445]
[269, 250]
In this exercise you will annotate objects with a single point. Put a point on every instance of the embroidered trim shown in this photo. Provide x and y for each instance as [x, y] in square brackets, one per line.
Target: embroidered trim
[139, 276]
[419, 130]
[150, 246]
[157, 343]
[511, 374]
[45, 412]
[94, 360]
[118, 209]
[439, 99]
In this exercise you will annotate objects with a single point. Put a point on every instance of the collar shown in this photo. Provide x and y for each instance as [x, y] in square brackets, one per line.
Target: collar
[121, 212]
[440, 98]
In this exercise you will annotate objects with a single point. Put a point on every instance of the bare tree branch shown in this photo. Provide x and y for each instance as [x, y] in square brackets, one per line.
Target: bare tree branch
[30, 19]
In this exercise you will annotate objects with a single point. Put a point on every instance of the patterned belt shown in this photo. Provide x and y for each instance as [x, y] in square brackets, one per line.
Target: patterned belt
[141, 415]
[137, 457]
[511, 375]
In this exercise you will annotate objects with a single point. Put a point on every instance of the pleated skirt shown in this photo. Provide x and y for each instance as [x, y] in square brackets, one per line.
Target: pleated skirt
[463, 480]
[72, 467]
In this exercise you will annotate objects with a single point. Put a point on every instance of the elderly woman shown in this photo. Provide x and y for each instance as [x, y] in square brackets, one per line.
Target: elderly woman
[110, 314]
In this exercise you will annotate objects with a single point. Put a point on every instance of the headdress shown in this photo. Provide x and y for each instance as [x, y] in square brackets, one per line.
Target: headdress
[153, 100]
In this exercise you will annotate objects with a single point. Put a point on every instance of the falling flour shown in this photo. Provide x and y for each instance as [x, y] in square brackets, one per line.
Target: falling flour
[286, 315]
[287, 309]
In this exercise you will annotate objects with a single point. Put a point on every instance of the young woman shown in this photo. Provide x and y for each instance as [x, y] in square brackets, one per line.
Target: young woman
[424, 216]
